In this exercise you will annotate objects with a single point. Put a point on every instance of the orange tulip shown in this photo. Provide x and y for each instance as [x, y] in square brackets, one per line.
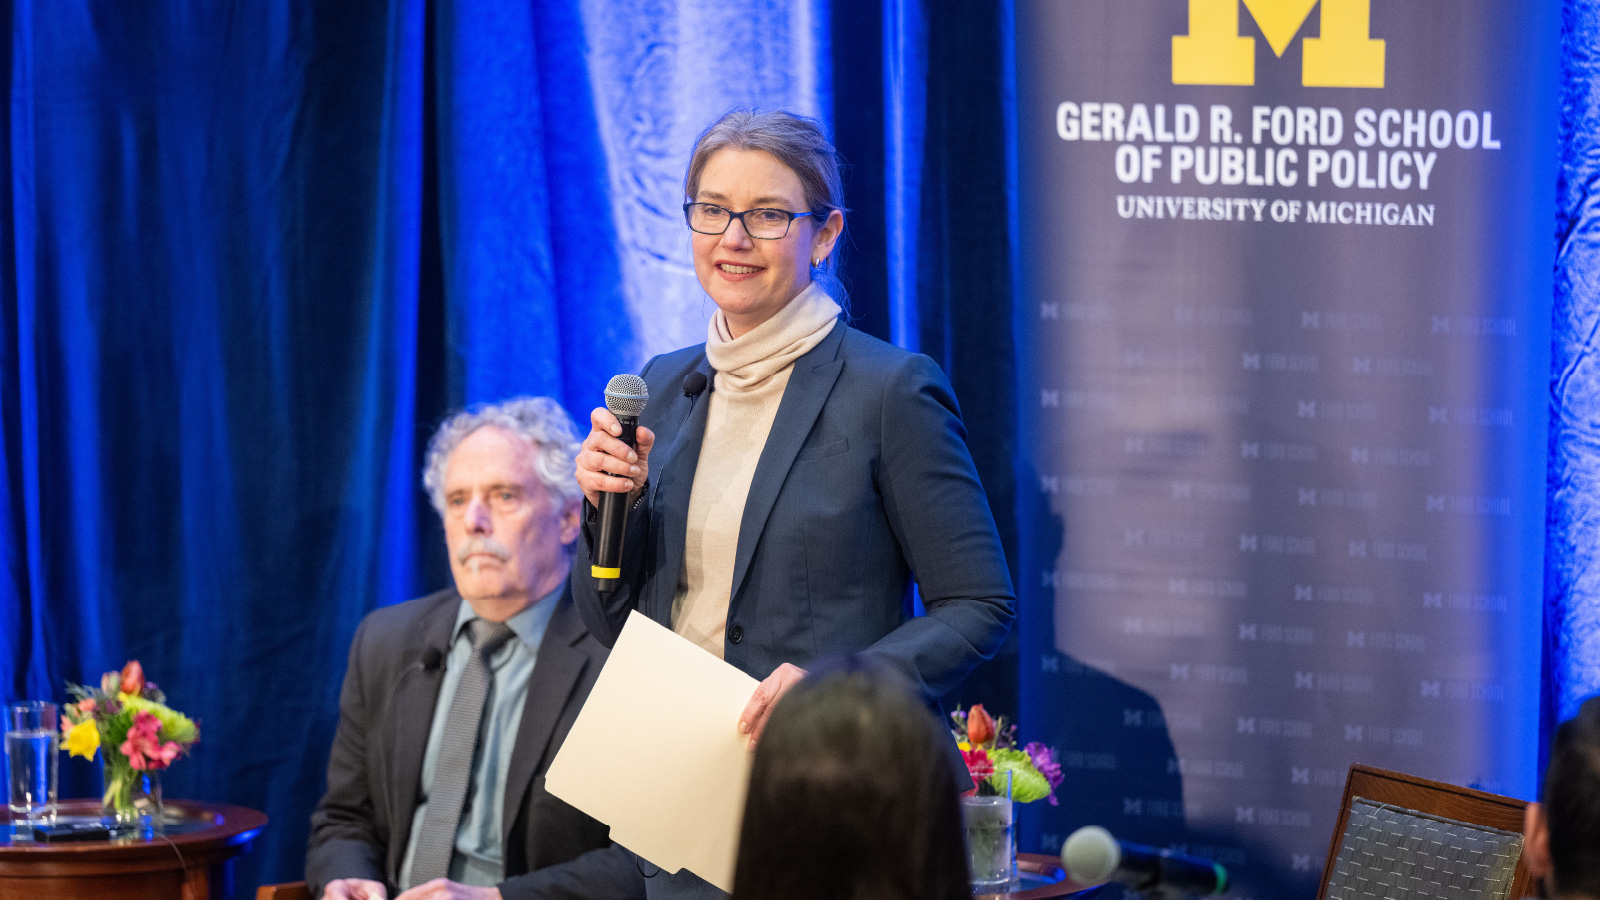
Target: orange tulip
[980, 728]
[132, 678]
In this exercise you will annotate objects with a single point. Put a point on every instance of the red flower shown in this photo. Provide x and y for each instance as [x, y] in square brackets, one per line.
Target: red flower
[132, 678]
[980, 728]
[978, 764]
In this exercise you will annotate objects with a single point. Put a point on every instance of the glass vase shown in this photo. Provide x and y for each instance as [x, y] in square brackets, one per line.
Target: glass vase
[991, 835]
[132, 798]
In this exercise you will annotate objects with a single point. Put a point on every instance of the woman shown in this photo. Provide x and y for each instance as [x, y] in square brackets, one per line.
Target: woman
[850, 797]
[777, 515]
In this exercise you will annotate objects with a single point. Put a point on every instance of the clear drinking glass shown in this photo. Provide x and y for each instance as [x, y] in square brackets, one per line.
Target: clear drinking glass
[991, 836]
[32, 755]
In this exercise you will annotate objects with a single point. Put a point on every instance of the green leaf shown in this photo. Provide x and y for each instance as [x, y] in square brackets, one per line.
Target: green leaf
[1027, 784]
[114, 729]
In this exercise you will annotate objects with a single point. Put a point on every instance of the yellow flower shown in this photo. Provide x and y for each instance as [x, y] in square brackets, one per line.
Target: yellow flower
[83, 739]
[964, 746]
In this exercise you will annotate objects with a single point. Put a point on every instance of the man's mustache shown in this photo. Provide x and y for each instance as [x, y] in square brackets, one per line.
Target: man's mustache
[482, 545]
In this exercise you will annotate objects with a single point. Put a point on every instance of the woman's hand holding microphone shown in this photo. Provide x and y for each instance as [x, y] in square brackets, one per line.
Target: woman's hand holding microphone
[607, 464]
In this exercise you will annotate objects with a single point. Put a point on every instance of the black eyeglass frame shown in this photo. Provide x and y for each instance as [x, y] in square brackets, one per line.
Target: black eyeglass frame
[742, 223]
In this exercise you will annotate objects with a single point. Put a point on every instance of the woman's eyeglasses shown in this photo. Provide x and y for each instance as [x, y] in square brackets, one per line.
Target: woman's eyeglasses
[762, 224]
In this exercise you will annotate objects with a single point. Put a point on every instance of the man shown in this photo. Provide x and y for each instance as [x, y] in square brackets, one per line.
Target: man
[1561, 836]
[455, 704]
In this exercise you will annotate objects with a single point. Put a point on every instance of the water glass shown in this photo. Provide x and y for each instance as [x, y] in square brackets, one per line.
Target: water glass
[32, 755]
[991, 836]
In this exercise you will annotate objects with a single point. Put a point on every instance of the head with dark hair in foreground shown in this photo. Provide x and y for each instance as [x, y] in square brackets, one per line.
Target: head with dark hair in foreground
[1563, 831]
[851, 797]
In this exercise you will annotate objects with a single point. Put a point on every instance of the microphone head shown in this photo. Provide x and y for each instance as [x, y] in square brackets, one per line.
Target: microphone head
[431, 658]
[626, 395]
[1090, 855]
[694, 384]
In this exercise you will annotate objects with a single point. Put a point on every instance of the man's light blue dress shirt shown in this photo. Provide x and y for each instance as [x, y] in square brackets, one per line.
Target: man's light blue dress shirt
[479, 858]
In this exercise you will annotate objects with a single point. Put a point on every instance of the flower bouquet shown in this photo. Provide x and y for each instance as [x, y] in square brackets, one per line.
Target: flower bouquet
[990, 749]
[137, 735]
[1001, 775]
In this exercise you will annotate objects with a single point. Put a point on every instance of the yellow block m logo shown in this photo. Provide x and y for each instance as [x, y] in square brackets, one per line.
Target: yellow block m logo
[1213, 52]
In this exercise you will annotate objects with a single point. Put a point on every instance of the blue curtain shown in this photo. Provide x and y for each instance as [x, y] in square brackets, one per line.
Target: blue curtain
[210, 365]
[562, 131]
[254, 252]
[1572, 583]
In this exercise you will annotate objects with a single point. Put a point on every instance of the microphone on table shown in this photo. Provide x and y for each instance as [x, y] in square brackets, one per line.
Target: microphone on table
[1092, 856]
[626, 396]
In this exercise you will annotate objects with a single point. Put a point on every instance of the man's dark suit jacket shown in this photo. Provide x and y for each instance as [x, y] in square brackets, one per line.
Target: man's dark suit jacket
[362, 825]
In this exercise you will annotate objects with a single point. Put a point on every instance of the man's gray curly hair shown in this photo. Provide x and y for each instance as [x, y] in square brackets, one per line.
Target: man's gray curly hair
[538, 420]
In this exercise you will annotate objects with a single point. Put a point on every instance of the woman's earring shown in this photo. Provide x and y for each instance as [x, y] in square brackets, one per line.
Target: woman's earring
[816, 264]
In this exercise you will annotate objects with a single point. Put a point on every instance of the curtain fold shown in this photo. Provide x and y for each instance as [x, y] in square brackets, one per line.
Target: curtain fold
[905, 99]
[209, 367]
[1572, 563]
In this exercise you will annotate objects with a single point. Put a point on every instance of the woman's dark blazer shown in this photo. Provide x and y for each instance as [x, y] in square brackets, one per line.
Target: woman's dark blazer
[864, 484]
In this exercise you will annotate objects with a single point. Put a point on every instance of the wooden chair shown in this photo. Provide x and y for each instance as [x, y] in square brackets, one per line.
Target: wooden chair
[294, 890]
[1396, 831]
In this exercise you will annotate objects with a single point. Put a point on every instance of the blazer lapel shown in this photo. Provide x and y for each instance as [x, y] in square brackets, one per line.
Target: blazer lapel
[671, 492]
[411, 709]
[809, 385]
[556, 672]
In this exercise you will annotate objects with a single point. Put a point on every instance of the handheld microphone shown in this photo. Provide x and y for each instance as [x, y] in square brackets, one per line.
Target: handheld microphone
[626, 396]
[1092, 856]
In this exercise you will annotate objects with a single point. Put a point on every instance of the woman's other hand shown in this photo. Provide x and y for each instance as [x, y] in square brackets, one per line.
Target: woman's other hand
[606, 464]
[766, 696]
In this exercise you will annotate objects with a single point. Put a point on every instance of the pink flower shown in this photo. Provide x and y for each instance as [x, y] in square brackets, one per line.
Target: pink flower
[144, 749]
[978, 764]
[73, 713]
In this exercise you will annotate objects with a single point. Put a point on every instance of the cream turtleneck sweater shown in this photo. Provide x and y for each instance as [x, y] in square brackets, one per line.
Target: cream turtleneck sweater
[752, 372]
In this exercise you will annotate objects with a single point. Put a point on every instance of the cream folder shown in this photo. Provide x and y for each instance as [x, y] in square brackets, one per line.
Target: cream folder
[656, 753]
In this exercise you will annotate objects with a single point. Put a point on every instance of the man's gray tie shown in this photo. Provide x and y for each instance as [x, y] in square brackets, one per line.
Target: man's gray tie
[452, 771]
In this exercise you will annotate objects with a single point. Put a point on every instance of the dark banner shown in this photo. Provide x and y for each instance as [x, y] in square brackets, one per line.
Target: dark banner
[1284, 326]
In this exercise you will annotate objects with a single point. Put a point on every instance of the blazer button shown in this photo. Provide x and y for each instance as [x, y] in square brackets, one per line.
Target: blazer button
[735, 634]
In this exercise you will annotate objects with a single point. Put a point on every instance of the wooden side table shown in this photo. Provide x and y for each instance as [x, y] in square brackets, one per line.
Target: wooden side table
[188, 861]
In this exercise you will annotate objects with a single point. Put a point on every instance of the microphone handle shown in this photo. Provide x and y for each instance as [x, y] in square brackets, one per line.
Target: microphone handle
[1155, 871]
[607, 568]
